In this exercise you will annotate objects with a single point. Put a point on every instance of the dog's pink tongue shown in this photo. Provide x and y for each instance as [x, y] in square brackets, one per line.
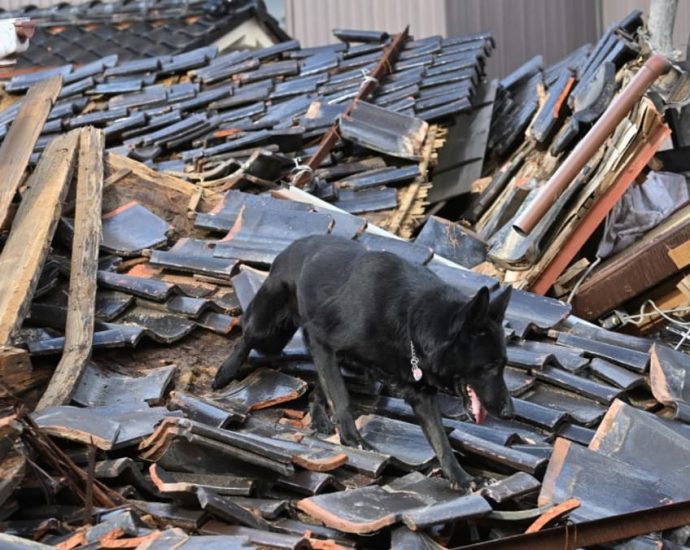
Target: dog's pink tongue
[478, 410]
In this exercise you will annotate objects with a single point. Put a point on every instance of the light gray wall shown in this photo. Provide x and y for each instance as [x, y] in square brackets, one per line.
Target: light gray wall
[522, 28]
[525, 28]
[311, 21]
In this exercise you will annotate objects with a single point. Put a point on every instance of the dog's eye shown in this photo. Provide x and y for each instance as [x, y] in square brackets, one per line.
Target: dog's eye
[481, 333]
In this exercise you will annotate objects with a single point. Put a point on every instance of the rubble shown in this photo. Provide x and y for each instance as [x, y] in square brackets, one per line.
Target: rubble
[206, 165]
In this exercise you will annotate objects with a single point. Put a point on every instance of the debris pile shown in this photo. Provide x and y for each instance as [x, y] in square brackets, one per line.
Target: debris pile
[576, 201]
[124, 282]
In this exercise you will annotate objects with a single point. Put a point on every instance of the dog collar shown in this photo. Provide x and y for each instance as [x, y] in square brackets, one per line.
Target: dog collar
[414, 364]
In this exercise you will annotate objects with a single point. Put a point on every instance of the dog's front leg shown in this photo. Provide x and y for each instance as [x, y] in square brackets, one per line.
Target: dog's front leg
[425, 406]
[333, 386]
[231, 366]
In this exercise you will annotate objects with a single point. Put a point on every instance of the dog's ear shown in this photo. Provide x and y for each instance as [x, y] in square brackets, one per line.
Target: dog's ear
[498, 306]
[477, 309]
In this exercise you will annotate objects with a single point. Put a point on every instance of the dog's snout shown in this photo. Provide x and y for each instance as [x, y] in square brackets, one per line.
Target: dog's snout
[507, 412]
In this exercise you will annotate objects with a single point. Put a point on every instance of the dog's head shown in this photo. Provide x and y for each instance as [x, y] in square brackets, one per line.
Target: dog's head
[471, 361]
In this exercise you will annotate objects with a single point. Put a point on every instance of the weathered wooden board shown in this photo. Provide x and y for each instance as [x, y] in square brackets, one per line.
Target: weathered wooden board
[82, 284]
[169, 197]
[18, 145]
[32, 232]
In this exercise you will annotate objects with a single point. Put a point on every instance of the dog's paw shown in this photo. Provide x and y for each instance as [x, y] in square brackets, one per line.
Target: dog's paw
[365, 445]
[462, 481]
[219, 381]
[463, 486]
[321, 423]
[356, 441]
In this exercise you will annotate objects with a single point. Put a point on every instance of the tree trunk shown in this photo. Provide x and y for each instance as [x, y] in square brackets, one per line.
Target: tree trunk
[662, 18]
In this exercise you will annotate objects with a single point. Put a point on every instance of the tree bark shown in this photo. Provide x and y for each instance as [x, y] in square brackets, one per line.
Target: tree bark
[662, 18]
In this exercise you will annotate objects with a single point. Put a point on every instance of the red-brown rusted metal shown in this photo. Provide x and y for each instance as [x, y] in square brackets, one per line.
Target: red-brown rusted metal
[555, 513]
[600, 531]
[384, 67]
[655, 66]
[598, 211]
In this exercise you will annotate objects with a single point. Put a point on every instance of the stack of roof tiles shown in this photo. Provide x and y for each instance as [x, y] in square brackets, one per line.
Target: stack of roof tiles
[200, 107]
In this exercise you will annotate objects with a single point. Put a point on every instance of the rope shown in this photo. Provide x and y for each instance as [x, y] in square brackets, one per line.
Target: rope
[567, 543]
[300, 169]
[582, 278]
[368, 78]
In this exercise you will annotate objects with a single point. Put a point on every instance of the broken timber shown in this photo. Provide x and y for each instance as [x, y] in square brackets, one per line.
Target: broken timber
[32, 232]
[599, 210]
[82, 286]
[369, 84]
[17, 147]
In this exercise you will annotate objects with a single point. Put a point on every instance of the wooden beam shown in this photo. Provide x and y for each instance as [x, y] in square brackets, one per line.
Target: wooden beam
[82, 283]
[640, 267]
[165, 195]
[21, 138]
[16, 372]
[32, 232]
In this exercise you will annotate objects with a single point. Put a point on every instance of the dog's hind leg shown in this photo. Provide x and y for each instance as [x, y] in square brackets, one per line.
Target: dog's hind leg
[333, 386]
[320, 420]
[267, 326]
[425, 406]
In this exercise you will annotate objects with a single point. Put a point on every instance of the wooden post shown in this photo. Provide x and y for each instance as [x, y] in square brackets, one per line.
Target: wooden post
[32, 231]
[82, 283]
[21, 138]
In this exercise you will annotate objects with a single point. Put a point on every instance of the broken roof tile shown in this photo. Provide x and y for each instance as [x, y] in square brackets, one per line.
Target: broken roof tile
[259, 236]
[370, 509]
[262, 388]
[100, 387]
[625, 432]
[384, 131]
[132, 228]
[605, 486]
[404, 441]
[78, 424]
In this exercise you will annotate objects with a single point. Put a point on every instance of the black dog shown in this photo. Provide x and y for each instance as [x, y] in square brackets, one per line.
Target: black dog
[375, 311]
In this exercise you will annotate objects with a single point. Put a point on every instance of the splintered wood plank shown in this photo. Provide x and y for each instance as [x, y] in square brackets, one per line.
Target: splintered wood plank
[82, 284]
[21, 138]
[166, 196]
[32, 232]
[16, 371]
[599, 210]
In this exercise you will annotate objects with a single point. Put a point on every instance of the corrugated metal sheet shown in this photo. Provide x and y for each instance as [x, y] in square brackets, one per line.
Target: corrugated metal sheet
[311, 21]
[522, 28]
[525, 28]
[615, 9]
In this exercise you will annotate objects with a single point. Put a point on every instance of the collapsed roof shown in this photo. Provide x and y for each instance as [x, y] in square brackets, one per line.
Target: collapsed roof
[206, 166]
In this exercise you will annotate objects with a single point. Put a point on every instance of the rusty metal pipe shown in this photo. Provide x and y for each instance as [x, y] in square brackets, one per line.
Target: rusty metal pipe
[619, 108]
[383, 68]
[595, 532]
